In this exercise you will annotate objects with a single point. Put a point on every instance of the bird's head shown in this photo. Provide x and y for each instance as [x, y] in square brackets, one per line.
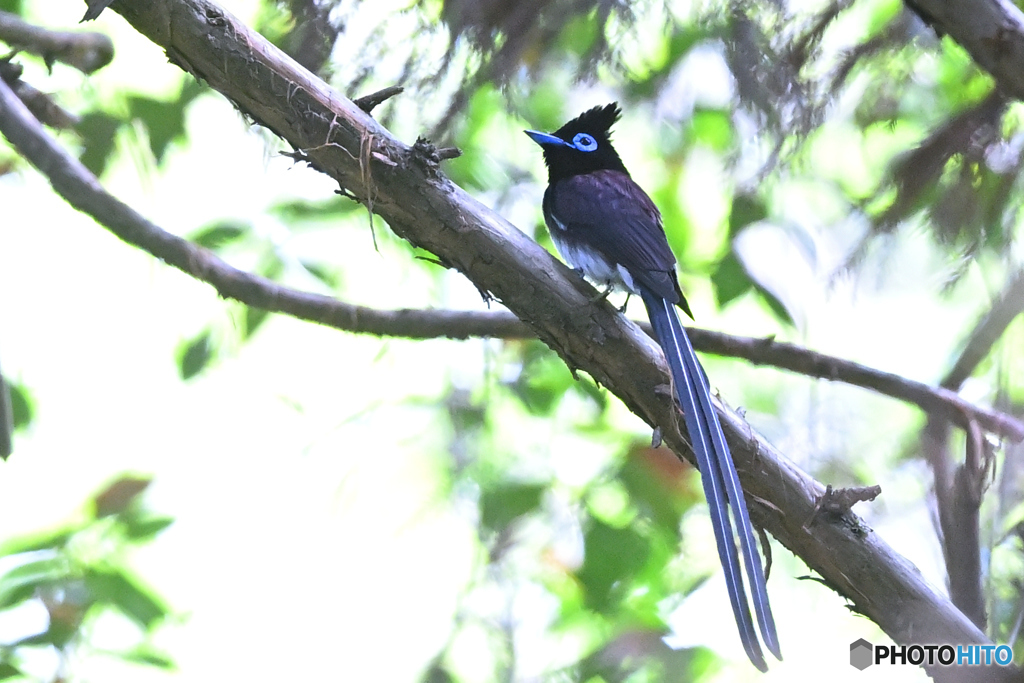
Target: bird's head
[581, 146]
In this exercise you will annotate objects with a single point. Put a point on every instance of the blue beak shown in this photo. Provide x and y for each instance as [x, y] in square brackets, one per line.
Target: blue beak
[543, 139]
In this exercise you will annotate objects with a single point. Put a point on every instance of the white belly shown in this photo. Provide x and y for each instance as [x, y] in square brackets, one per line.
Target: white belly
[593, 265]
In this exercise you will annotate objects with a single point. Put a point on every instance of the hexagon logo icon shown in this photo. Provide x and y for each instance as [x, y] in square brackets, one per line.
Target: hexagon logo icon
[861, 652]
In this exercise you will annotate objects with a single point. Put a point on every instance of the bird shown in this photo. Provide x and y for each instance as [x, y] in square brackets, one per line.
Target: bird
[610, 231]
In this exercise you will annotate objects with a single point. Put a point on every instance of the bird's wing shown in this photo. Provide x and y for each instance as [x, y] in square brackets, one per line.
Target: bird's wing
[609, 212]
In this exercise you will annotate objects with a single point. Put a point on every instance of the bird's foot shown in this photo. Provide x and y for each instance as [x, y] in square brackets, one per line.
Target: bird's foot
[602, 296]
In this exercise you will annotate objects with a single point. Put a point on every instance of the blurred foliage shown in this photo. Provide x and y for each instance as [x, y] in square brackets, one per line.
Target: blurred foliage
[21, 405]
[795, 70]
[16, 413]
[303, 29]
[6, 421]
[271, 258]
[605, 553]
[78, 573]
[839, 121]
[162, 121]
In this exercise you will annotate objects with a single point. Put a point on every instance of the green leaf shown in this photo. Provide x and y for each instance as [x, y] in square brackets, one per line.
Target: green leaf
[21, 405]
[613, 557]
[653, 489]
[775, 306]
[579, 34]
[436, 674]
[162, 121]
[712, 128]
[746, 209]
[13, 594]
[253, 319]
[216, 235]
[730, 280]
[12, 6]
[678, 226]
[47, 540]
[114, 588]
[274, 22]
[143, 654]
[321, 272]
[58, 638]
[683, 39]
[192, 88]
[589, 388]
[543, 380]
[301, 211]
[143, 528]
[8, 671]
[22, 582]
[271, 266]
[98, 131]
[195, 355]
[498, 507]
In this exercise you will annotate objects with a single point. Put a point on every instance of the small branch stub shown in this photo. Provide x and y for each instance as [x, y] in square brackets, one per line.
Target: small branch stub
[368, 102]
[431, 156]
[838, 502]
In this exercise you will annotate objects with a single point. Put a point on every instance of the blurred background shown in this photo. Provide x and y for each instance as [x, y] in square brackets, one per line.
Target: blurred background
[198, 490]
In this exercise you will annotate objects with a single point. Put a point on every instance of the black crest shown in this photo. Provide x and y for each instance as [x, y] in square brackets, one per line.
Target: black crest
[573, 158]
[597, 121]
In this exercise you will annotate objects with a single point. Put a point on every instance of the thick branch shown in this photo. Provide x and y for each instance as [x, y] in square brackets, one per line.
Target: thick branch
[425, 208]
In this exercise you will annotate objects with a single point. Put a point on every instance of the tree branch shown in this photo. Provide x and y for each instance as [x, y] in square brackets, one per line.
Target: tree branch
[992, 32]
[42, 105]
[424, 207]
[933, 400]
[83, 191]
[1008, 305]
[958, 490]
[6, 421]
[87, 51]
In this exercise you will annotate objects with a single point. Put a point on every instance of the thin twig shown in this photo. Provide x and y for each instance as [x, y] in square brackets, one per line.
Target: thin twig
[1008, 305]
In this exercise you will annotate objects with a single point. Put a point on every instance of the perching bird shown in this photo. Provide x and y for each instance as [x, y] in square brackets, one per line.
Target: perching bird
[607, 227]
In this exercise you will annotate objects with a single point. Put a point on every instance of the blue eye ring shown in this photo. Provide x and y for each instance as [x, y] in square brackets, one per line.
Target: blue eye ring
[584, 142]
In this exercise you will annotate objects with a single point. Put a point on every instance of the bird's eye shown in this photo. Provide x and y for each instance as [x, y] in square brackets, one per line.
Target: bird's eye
[584, 142]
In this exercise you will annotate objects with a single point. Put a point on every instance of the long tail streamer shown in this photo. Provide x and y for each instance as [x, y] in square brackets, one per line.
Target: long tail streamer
[719, 478]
